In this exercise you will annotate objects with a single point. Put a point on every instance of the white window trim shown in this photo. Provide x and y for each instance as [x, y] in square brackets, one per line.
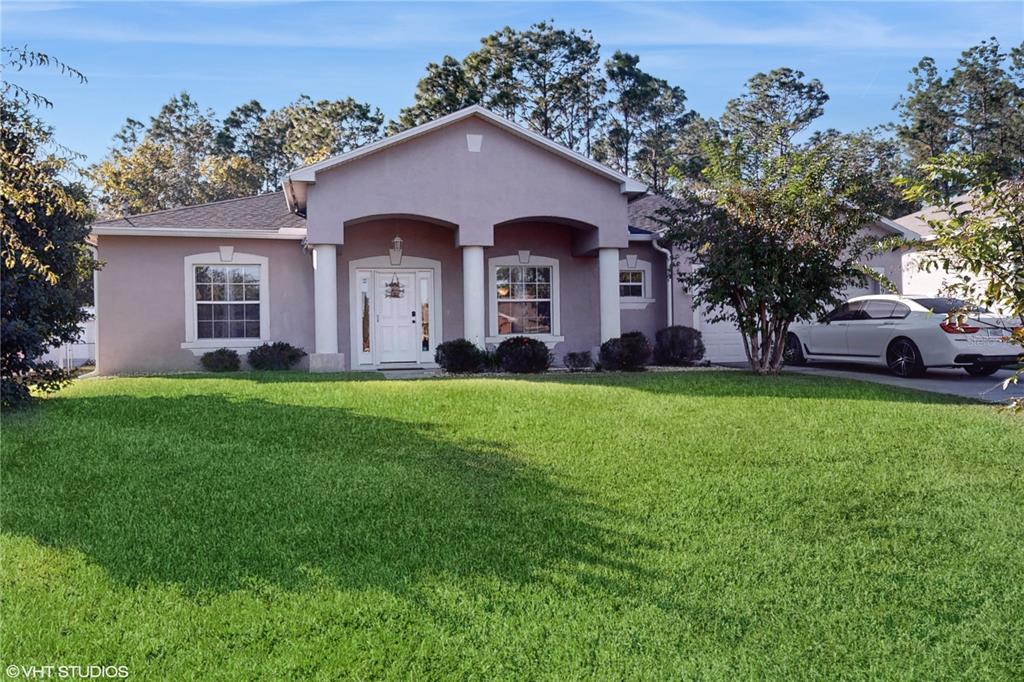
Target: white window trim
[226, 255]
[637, 302]
[524, 258]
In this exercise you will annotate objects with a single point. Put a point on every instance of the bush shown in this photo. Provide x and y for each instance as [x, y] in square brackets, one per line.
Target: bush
[460, 356]
[678, 346]
[628, 353]
[578, 361]
[221, 360]
[523, 355]
[277, 355]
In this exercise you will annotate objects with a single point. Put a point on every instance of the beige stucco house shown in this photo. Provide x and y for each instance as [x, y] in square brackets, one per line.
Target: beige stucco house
[469, 226]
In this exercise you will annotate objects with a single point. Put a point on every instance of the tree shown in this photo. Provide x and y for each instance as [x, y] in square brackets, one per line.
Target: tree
[774, 229]
[776, 107]
[45, 265]
[645, 124]
[251, 132]
[170, 163]
[978, 236]
[184, 156]
[633, 93]
[560, 82]
[317, 130]
[877, 156]
[444, 90]
[978, 109]
[658, 146]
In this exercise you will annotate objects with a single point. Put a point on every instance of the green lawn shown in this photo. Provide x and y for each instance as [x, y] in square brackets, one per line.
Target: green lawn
[700, 525]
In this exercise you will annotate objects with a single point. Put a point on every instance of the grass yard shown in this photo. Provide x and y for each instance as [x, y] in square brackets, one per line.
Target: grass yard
[700, 525]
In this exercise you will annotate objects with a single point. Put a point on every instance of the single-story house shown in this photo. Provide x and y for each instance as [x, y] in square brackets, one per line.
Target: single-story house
[468, 226]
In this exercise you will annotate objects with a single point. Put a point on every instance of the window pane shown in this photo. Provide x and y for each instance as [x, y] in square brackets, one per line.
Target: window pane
[544, 291]
[510, 318]
[252, 292]
[879, 310]
[544, 274]
[366, 319]
[252, 312]
[235, 275]
[518, 290]
[204, 330]
[237, 329]
[631, 290]
[202, 274]
[203, 292]
[218, 274]
[516, 274]
[220, 330]
[204, 312]
[424, 315]
[235, 292]
[252, 330]
[218, 292]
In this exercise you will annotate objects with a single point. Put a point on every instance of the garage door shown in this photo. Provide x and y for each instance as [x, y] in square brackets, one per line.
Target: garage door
[722, 340]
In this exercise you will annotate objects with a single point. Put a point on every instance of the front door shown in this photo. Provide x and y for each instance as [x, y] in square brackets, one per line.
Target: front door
[397, 323]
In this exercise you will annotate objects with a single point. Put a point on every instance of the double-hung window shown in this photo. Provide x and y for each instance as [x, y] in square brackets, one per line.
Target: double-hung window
[524, 299]
[631, 283]
[227, 301]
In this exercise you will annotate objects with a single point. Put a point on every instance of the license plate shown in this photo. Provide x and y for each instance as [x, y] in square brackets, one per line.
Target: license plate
[997, 332]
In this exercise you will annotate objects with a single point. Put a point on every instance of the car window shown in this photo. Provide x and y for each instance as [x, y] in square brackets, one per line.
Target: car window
[879, 310]
[846, 312]
[942, 306]
[900, 311]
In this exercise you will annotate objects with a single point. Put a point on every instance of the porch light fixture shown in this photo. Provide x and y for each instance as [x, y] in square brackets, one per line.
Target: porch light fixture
[395, 253]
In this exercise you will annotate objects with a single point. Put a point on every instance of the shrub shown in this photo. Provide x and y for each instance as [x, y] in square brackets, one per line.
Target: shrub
[221, 360]
[460, 356]
[678, 346]
[578, 361]
[523, 355]
[628, 353]
[277, 355]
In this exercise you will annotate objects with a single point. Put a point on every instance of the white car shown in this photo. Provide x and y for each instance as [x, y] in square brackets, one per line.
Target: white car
[907, 334]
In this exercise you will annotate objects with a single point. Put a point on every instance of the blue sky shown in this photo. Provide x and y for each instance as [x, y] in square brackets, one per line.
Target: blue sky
[137, 55]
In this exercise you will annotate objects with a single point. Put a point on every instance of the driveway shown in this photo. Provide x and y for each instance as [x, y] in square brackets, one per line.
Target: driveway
[951, 381]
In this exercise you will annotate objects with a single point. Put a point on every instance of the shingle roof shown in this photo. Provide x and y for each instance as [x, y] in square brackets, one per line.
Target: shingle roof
[260, 212]
[642, 209]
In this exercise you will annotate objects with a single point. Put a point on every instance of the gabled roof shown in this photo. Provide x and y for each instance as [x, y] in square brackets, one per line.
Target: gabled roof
[260, 215]
[307, 174]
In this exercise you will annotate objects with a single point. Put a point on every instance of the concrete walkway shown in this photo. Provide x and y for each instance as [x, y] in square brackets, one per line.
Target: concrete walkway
[950, 381]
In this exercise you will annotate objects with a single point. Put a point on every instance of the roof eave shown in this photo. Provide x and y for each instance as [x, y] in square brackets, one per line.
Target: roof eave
[288, 233]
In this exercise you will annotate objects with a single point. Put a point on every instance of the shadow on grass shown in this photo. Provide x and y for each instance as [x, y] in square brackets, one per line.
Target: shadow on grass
[216, 494]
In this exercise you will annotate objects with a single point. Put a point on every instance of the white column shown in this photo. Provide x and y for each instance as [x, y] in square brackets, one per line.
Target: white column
[608, 266]
[325, 298]
[473, 288]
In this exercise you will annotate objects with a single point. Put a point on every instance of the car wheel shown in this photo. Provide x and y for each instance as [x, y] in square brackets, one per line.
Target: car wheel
[903, 359]
[981, 370]
[793, 354]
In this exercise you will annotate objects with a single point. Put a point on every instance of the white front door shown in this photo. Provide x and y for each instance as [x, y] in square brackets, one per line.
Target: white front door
[397, 323]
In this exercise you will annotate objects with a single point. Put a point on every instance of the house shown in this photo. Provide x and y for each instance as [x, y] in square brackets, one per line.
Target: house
[468, 226]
